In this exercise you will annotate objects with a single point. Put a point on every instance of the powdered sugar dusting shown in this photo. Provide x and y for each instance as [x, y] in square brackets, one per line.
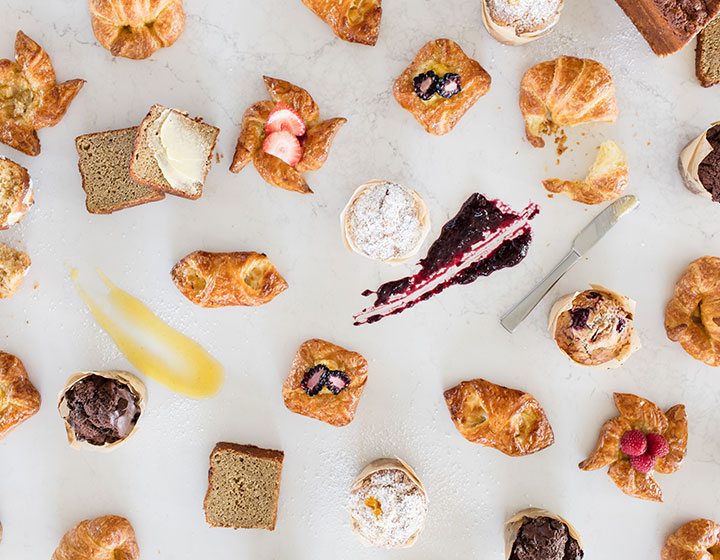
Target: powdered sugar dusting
[524, 15]
[403, 504]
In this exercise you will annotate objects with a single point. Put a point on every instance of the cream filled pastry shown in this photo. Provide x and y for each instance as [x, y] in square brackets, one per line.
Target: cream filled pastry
[385, 221]
[594, 327]
[700, 164]
[516, 22]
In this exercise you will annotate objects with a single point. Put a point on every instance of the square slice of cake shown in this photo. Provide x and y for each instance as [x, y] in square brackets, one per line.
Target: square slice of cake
[243, 486]
[707, 54]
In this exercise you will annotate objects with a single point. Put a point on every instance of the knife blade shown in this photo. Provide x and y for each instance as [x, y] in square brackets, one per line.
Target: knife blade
[583, 242]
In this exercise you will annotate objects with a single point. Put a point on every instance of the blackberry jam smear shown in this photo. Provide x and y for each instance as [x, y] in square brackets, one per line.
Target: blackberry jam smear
[484, 236]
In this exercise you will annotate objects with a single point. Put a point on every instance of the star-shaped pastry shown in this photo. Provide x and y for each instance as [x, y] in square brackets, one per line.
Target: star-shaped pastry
[29, 97]
[314, 143]
[642, 415]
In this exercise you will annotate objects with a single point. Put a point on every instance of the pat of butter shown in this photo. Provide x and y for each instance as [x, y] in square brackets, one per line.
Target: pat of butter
[179, 155]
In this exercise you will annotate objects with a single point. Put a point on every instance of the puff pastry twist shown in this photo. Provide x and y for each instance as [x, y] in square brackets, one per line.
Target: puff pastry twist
[697, 540]
[19, 399]
[105, 538]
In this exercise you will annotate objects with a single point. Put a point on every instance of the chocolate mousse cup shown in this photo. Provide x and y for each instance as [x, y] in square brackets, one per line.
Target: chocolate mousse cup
[537, 534]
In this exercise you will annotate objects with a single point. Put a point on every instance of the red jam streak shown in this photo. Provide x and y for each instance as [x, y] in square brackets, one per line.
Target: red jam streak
[484, 236]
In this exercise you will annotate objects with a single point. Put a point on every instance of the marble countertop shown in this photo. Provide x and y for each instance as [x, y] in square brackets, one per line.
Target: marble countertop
[158, 479]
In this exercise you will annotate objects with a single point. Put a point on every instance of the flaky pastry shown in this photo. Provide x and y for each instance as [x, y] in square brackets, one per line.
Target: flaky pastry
[357, 21]
[439, 115]
[315, 146]
[696, 540]
[606, 180]
[16, 192]
[136, 28]
[691, 159]
[104, 538]
[30, 98]
[566, 91]
[221, 279]
[639, 414]
[325, 382]
[19, 399]
[508, 420]
[515, 524]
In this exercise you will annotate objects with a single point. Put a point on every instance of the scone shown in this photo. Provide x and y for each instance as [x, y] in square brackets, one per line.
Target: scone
[388, 505]
[285, 137]
[14, 265]
[16, 193]
[537, 534]
[385, 221]
[594, 328]
[516, 22]
[222, 279]
[642, 439]
[31, 99]
[109, 537]
[508, 420]
[19, 399]
[357, 21]
[101, 409]
[696, 540]
[441, 85]
[700, 164]
[325, 382]
[136, 28]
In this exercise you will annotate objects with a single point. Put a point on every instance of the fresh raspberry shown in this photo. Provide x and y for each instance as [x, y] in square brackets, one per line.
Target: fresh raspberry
[633, 443]
[643, 463]
[657, 445]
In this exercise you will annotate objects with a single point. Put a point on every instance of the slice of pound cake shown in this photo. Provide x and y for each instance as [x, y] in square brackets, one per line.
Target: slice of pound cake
[243, 486]
[104, 165]
[707, 54]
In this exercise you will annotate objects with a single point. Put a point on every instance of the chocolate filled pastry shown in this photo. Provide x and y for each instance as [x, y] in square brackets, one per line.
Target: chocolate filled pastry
[388, 505]
[222, 279]
[566, 91]
[385, 221]
[641, 440]
[700, 164]
[517, 22]
[537, 534]
[594, 328]
[508, 420]
[356, 21]
[19, 399]
[101, 409]
[441, 85]
[325, 382]
[696, 540]
[109, 537]
[692, 317]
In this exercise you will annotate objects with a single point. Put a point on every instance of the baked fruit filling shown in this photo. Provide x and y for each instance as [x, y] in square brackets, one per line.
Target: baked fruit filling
[320, 378]
[374, 505]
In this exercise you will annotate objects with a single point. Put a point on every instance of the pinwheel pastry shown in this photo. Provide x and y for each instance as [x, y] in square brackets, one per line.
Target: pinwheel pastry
[700, 164]
[566, 91]
[441, 85]
[508, 420]
[30, 98]
[696, 540]
[104, 538]
[136, 28]
[325, 382]
[537, 534]
[692, 317]
[285, 137]
[19, 399]
[357, 21]
[606, 180]
[221, 279]
[640, 440]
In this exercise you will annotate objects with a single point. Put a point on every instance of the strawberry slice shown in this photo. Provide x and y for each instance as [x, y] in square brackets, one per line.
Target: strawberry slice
[282, 144]
[284, 117]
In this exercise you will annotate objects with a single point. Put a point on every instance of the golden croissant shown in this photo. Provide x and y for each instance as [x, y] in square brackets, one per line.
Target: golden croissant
[357, 21]
[696, 540]
[136, 28]
[19, 399]
[565, 92]
[220, 279]
[105, 538]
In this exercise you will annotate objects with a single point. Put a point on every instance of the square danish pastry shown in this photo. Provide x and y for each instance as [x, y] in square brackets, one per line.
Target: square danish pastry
[325, 382]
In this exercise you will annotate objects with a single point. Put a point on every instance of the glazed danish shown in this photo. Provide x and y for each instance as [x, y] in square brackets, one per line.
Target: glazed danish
[357, 21]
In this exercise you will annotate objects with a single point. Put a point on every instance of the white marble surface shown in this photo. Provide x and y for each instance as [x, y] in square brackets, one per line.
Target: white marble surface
[158, 479]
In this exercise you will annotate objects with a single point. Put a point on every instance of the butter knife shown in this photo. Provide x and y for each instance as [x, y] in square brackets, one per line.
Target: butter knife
[585, 240]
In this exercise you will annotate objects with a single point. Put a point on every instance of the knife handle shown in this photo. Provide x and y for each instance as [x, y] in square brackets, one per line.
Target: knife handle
[512, 319]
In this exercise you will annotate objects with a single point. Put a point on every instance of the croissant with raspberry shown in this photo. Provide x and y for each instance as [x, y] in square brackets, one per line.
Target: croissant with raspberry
[696, 540]
[105, 538]
[356, 21]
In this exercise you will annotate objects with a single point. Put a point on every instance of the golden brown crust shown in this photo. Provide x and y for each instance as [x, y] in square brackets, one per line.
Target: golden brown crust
[692, 316]
[357, 21]
[136, 28]
[336, 410]
[14, 201]
[639, 414]
[439, 115]
[566, 91]
[316, 143]
[508, 420]
[104, 538]
[696, 540]
[222, 279]
[19, 399]
[29, 97]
